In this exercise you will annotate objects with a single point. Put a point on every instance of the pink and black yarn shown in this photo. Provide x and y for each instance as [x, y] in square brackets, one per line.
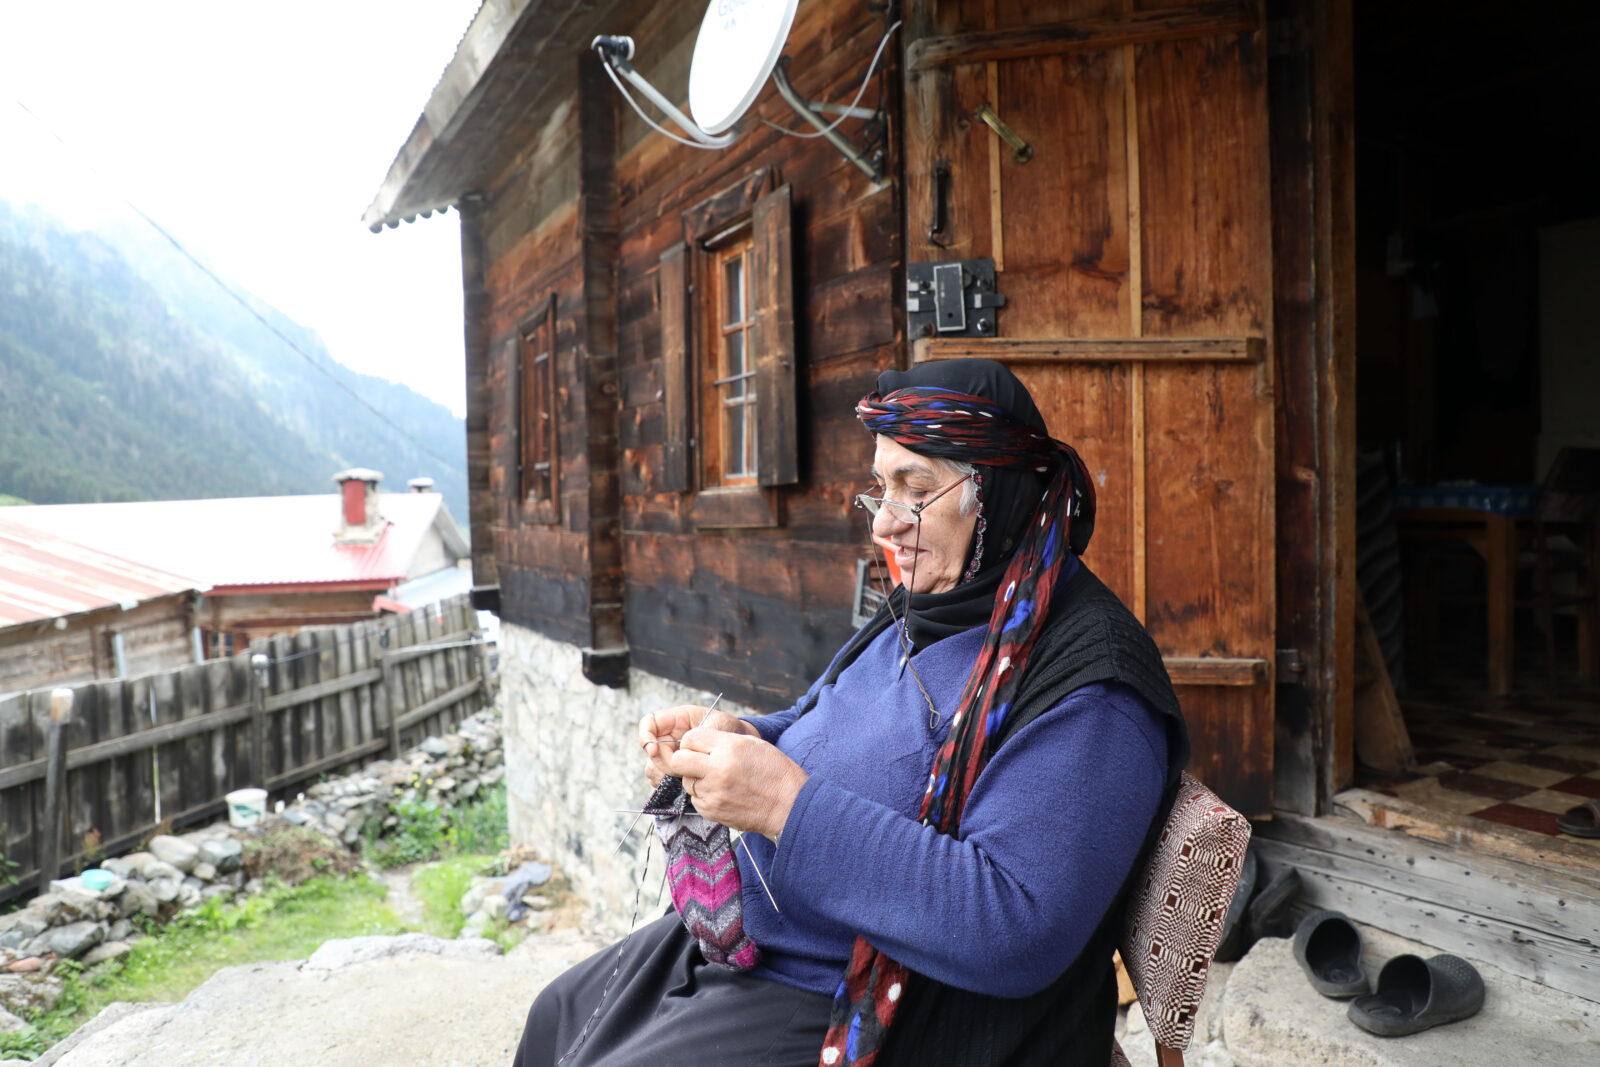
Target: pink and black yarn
[704, 874]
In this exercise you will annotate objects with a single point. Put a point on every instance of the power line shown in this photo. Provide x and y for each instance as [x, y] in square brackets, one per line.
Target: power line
[240, 300]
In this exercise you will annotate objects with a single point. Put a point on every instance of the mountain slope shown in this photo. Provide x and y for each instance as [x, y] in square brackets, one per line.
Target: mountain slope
[112, 388]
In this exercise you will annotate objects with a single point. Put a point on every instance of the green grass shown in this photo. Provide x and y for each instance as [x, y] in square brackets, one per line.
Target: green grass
[289, 922]
[7, 501]
[282, 923]
[440, 887]
[428, 831]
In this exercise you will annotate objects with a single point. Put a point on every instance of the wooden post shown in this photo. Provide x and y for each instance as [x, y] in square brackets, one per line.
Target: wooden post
[258, 716]
[55, 788]
[481, 648]
[391, 703]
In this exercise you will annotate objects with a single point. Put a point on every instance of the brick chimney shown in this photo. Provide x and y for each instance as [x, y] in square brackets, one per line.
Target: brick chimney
[421, 485]
[359, 519]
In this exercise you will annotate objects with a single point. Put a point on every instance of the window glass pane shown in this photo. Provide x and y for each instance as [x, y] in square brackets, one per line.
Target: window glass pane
[733, 440]
[734, 364]
[733, 290]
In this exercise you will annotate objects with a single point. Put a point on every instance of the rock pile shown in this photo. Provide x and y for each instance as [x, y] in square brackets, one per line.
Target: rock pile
[442, 770]
[95, 922]
[510, 897]
[92, 925]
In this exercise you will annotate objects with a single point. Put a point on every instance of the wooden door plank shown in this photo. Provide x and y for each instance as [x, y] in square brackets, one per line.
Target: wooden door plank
[1205, 190]
[947, 166]
[1066, 219]
[1022, 350]
[1215, 670]
[1097, 33]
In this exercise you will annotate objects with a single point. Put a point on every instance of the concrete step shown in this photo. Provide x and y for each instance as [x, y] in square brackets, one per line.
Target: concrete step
[1262, 1012]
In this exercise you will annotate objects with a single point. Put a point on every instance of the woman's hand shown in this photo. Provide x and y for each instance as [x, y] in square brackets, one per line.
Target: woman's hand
[738, 780]
[660, 732]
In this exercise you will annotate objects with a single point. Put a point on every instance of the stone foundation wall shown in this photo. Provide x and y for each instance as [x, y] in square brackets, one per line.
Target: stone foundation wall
[572, 760]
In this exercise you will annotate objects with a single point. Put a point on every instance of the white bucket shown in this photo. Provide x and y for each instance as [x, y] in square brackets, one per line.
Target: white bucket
[246, 807]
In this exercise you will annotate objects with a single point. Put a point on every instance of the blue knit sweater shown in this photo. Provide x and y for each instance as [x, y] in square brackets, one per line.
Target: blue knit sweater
[1049, 833]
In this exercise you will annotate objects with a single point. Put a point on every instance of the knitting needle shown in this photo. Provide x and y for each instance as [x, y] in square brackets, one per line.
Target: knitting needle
[629, 831]
[757, 868]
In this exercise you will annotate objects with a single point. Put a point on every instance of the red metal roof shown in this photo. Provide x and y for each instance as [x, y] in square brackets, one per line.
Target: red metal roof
[43, 576]
[254, 541]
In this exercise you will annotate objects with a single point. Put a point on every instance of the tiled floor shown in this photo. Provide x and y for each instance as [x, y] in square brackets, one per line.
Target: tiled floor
[1520, 760]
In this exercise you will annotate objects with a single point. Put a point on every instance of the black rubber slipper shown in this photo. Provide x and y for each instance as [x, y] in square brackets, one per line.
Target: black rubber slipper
[1269, 911]
[1328, 946]
[1415, 994]
[1581, 821]
[1235, 935]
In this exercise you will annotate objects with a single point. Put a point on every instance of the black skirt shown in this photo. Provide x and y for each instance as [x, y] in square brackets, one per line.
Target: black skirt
[653, 1001]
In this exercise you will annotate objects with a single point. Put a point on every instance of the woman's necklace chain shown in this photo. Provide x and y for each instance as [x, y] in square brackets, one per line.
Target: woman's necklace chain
[934, 718]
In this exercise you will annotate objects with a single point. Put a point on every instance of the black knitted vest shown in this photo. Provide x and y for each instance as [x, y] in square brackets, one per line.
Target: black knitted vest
[1090, 637]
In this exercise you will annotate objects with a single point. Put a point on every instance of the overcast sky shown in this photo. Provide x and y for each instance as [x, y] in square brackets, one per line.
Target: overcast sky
[258, 134]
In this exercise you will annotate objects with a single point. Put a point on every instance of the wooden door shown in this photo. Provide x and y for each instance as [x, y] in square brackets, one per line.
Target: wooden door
[1133, 247]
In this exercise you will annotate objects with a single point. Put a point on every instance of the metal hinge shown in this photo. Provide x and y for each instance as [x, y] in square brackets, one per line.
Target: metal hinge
[1290, 665]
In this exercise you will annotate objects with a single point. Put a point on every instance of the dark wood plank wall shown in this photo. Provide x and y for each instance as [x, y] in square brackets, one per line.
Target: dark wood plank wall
[155, 635]
[260, 614]
[758, 613]
[753, 613]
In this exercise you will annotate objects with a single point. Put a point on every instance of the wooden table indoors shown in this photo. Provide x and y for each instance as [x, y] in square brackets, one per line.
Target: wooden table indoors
[1486, 518]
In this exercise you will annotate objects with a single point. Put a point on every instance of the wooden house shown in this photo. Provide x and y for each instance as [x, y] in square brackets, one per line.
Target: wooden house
[1163, 193]
[271, 565]
[70, 613]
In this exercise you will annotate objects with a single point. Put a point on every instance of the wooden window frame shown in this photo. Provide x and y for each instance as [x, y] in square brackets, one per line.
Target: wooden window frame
[689, 284]
[538, 418]
[724, 388]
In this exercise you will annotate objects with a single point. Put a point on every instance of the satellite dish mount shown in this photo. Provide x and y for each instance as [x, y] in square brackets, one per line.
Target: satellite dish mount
[739, 47]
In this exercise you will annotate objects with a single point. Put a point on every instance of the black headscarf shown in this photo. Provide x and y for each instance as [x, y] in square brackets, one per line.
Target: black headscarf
[1008, 496]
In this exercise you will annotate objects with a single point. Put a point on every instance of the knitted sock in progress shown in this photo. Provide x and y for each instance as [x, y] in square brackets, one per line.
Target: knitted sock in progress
[705, 878]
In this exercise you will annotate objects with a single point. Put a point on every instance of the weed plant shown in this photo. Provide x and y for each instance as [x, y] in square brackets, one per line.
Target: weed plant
[440, 886]
[426, 831]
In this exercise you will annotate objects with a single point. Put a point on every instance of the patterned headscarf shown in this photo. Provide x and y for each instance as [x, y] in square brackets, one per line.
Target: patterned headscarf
[959, 426]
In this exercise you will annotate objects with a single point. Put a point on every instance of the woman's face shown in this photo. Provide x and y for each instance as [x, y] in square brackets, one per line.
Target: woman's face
[930, 558]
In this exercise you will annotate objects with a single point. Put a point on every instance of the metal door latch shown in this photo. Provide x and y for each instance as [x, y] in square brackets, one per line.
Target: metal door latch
[956, 299]
[1021, 150]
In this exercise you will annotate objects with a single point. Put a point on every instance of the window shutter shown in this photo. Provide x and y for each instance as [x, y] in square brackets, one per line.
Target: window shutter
[676, 380]
[777, 442]
[511, 448]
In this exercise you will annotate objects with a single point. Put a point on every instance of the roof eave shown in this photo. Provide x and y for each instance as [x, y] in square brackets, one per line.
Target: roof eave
[452, 101]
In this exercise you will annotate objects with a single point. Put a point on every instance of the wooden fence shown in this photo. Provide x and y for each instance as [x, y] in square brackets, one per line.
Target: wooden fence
[136, 754]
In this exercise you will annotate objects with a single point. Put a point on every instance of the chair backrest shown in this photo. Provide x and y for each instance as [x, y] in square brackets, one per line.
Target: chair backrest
[1177, 911]
[1571, 487]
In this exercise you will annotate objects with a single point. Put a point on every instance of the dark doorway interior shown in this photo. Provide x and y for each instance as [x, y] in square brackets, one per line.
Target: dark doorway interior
[1478, 360]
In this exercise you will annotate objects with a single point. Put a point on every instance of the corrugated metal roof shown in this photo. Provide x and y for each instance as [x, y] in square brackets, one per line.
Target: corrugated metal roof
[268, 541]
[43, 576]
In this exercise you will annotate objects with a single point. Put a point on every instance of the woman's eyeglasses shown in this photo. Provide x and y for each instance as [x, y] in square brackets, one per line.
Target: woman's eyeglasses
[911, 513]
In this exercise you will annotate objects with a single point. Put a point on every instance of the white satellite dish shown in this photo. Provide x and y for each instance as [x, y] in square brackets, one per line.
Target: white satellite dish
[739, 44]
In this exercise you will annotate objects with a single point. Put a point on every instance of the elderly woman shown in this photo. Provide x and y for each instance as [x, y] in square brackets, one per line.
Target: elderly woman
[939, 836]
